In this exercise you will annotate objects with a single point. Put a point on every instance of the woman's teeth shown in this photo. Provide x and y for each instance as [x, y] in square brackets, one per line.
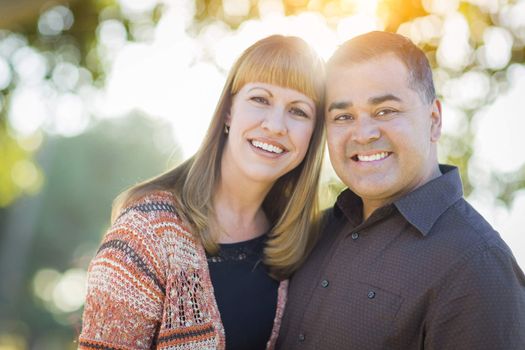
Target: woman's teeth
[267, 147]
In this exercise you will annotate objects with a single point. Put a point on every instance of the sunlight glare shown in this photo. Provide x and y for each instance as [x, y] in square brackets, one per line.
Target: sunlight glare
[70, 290]
[138, 6]
[193, 104]
[30, 65]
[468, 91]
[10, 43]
[65, 76]
[497, 51]
[5, 74]
[499, 127]
[440, 7]
[455, 121]
[236, 8]
[422, 29]
[490, 6]
[366, 7]
[28, 110]
[269, 8]
[512, 16]
[55, 20]
[352, 26]
[70, 117]
[112, 33]
[44, 282]
[513, 237]
[454, 51]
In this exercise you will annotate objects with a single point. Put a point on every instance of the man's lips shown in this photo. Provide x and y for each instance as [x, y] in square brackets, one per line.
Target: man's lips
[370, 156]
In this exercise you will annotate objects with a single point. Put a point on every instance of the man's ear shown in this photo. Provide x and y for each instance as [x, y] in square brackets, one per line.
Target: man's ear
[228, 119]
[435, 127]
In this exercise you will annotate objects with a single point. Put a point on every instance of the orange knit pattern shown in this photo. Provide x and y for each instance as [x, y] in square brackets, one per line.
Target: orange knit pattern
[149, 285]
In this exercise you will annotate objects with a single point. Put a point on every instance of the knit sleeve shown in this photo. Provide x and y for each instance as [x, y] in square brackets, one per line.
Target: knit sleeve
[126, 288]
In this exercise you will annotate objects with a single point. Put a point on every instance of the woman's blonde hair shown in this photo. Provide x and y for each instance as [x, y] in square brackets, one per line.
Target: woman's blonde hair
[292, 203]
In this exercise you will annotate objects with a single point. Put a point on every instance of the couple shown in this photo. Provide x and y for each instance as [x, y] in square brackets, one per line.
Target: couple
[201, 256]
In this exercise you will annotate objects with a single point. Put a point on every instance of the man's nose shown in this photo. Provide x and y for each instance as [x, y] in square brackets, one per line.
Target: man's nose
[365, 130]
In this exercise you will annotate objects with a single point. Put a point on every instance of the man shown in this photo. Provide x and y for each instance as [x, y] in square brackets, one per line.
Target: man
[404, 262]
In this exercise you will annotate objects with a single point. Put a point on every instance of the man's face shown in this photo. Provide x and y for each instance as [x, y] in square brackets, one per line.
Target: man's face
[381, 135]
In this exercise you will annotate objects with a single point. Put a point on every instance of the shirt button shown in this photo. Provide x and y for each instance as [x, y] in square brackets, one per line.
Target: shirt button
[301, 337]
[355, 235]
[371, 294]
[324, 283]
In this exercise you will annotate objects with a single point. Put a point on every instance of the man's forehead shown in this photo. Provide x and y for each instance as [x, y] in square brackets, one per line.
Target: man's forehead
[377, 77]
[387, 61]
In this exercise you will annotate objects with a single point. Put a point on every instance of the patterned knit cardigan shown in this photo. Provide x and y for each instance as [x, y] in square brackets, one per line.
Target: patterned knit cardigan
[149, 285]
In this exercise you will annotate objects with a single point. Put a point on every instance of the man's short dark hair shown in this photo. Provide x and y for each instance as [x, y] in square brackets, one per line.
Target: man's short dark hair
[374, 44]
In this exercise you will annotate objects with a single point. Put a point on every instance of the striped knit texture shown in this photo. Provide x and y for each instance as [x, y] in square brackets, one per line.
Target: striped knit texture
[149, 285]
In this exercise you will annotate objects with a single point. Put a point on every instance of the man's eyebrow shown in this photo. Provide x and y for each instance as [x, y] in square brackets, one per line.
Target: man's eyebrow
[339, 105]
[380, 99]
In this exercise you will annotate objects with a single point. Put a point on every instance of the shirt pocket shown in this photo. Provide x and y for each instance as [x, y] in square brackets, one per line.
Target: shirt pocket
[363, 317]
[374, 304]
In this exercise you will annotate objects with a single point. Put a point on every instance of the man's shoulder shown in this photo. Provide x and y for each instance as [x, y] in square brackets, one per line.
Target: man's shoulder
[462, 218]
[463, 230]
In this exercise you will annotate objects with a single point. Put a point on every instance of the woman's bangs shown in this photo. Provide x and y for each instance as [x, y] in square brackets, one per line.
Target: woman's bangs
[282, 69]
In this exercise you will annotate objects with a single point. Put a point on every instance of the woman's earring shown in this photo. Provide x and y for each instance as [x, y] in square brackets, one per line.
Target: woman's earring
[226, 129]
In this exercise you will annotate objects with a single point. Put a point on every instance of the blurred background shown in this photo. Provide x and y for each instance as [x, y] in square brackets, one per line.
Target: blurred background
[96, 95]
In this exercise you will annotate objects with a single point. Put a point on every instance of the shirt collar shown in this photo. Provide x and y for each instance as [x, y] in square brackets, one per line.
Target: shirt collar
[421, 207]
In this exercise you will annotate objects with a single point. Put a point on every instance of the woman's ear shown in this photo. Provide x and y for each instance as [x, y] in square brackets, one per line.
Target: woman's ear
[227, 122]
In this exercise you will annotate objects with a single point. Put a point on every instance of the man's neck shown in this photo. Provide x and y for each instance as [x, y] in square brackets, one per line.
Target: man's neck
[371, 205]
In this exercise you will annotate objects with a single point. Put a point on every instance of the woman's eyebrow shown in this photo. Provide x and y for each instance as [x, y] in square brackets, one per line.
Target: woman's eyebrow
[261, 88]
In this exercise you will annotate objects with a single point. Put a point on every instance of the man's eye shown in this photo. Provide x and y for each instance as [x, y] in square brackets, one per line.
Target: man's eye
[385, 112]
[299, 112]
[260, 99]
[342, 117]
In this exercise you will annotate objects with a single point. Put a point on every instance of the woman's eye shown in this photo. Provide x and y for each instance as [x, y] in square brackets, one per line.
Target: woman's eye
[260, 99]
[299, 112]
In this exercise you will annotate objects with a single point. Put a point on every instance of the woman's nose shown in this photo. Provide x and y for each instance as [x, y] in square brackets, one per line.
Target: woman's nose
[275, 121]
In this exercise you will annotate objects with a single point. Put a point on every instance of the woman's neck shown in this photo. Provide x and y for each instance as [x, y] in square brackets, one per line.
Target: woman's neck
[238, 211]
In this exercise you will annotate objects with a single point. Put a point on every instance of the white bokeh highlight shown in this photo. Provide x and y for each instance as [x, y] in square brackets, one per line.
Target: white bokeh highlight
[454, 51]
[499, 127]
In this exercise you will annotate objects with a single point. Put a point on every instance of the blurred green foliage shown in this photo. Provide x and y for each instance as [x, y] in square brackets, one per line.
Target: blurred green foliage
[69, 216]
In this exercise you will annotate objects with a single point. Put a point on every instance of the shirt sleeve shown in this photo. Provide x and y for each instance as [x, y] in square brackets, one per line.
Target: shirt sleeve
[126, 288]
[481, 305]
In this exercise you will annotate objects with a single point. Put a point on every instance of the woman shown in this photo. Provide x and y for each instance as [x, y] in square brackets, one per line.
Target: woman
[198, 257]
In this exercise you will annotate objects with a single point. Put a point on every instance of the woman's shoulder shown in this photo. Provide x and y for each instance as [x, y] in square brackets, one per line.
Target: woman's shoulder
[153, 203]
[155, 212]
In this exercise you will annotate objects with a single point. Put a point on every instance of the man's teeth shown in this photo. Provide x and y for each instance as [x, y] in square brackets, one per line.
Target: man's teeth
[267, 147]
[371, 158]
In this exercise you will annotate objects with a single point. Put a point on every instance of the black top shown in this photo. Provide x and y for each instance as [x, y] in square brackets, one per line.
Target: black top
[425, 272]
[246, 295]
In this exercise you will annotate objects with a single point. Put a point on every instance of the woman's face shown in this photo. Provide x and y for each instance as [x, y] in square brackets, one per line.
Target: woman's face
[270, 130]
